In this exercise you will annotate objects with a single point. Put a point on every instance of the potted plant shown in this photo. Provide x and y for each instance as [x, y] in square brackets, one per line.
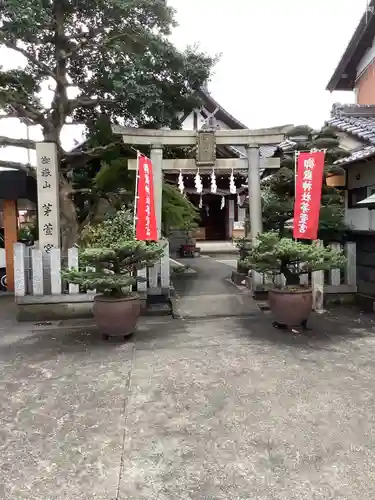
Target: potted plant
[291, 304]
[108, 259]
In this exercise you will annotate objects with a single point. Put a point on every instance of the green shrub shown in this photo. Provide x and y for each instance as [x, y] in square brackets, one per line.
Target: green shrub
[274, 255]
[110, 256]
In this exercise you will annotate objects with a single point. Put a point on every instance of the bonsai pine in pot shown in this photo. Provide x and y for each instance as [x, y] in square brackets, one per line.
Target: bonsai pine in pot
[108, 260]
[291, 304]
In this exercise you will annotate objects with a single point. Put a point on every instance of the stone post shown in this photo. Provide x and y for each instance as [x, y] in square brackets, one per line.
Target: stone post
[47, 175]
[255, 202]
[48, 196]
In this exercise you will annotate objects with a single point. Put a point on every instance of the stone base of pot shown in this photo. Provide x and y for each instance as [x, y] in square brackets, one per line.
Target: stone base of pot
[116, 317]
[260, 294]
[290, 306]
[238, 278]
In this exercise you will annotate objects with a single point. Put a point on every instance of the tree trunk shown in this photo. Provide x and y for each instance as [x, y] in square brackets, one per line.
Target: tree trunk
[68, 216]
[292, 279]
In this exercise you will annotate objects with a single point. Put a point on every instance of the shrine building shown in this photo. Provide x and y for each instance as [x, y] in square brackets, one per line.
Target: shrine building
[222, 213]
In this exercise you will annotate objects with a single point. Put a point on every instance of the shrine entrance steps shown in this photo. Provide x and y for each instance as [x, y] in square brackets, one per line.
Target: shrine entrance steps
[209, 292]
[217, 247]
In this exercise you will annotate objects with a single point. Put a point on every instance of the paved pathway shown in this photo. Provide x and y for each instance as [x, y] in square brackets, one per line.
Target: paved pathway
[216, 408]
[228, 260]
[221, 409]
[209, 292]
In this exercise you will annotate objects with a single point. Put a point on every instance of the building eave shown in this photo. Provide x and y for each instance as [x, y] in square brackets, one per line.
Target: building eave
[357, 121]
[344, 77]
[222, 114]
[360, 156]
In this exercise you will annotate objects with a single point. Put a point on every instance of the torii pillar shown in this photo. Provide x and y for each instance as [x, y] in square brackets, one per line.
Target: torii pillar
[252, 140]
[156, 156]
[254, 191]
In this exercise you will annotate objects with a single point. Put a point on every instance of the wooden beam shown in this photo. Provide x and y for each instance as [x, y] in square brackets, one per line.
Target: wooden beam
[246, 137]
[10, 237]
[175, 165]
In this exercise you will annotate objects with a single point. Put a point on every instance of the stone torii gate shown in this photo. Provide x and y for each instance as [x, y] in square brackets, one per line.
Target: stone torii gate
[206, 141]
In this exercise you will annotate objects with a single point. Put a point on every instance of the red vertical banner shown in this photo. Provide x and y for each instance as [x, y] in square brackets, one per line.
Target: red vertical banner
[145, 226]
[309, 180]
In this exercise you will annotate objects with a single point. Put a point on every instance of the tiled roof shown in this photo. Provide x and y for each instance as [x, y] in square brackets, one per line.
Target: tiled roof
[359, 121]
[360, 154]
[355, 119]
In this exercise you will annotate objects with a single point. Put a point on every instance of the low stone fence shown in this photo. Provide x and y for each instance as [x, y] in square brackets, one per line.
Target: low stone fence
[335, 285]
[41, 294]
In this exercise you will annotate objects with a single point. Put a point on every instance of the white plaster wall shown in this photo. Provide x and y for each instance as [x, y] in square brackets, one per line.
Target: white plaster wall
[361, 175]
[358, 218]
[366, 59]
[2, 258]
[188, 124]
[361, 219]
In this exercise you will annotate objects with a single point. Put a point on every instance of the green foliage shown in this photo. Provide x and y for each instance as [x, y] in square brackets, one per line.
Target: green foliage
[114, 230]
[243, 245]
[274, 255]
[177, 211]
[240, 243]
[110, 256]
[115, 53]
[118, 58]
[278, 189]
[28, 231]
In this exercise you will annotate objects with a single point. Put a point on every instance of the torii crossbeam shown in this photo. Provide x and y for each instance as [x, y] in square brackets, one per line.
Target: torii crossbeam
[206, 142]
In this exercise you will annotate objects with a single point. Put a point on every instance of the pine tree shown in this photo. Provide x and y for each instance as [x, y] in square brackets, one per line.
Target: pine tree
[278, 189]
[110, 256]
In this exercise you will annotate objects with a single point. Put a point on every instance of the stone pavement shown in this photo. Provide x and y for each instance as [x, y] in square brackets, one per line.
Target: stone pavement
[209, 292]
[218, 409]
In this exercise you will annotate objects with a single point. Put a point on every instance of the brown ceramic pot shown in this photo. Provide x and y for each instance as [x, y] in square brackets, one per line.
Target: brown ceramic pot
[116, 317]
[290, 307]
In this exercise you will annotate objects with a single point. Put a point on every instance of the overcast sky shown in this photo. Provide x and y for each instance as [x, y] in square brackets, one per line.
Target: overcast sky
[276, 59]
[277, 56]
